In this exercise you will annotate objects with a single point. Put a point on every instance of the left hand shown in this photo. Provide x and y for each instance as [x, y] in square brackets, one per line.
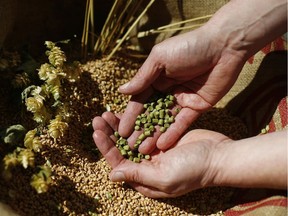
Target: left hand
[183, 168]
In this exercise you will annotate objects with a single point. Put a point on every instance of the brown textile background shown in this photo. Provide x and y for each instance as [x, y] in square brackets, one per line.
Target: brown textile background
[164, 12]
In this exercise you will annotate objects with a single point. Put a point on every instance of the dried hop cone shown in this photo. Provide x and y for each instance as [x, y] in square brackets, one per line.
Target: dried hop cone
[31, 141]
[57, 127]
[10, 160]
[34, 104]
[26, 158]
[42, 179]
[55, 55]
[44, 71]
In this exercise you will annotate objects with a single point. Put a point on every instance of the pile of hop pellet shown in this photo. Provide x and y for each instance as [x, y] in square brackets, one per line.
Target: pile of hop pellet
[156, 113]
[80, 182]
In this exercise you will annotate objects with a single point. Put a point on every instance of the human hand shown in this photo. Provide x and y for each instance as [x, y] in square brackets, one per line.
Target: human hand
[184, 167]
[195, 67]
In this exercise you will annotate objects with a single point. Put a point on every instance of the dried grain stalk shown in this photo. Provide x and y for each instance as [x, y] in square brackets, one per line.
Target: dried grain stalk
[121, 20]
[121, 15]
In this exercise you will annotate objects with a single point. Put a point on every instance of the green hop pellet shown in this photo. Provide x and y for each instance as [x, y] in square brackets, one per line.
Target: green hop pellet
[116, 134]
[163, 129]
[161, 122]
[123, 152]
[138, 122]
[155, 121]
[136, 160]
[126, 147]
[141, 137]
[147, 157]
[171, 119]
[156, 113]
[171, 97]
[147, 133]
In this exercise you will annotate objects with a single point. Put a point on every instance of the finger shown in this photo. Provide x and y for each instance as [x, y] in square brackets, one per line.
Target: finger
[105, 125]
[111, 119]
[146, 75]
[99, 123]
[134, 108]
[149, 144]
[107, 148]
[182, 121]
[189, 97]
[144, 173]
[132, 139]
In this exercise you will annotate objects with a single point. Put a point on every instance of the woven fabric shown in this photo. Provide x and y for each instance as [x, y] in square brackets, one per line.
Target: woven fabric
[261, 85]
[171, 11]
[272, 206]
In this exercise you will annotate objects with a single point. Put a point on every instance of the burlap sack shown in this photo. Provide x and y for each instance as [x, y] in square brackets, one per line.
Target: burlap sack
[164, 12]
[259, 96]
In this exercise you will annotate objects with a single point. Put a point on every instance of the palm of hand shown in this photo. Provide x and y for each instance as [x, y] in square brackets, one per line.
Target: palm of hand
[174, 172]
[196, 71]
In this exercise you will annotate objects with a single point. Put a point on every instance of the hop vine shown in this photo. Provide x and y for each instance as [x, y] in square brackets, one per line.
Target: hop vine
[44, 103]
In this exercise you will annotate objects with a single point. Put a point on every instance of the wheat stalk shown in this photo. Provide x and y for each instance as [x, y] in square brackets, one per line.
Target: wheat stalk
[130, 29]
[115, 32]
[168, 28]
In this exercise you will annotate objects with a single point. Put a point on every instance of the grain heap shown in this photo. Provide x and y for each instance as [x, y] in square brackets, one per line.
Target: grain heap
[80, 183]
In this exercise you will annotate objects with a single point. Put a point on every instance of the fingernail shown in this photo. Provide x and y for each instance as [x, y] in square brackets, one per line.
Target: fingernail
[117, 176]
[124, 86]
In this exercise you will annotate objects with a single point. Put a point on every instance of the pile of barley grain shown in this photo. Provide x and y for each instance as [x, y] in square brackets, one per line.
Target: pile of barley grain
[80, 183]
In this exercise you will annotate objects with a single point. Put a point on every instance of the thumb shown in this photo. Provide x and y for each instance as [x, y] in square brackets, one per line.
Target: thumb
[117, 176]
[145, 76]
[129, 171]
[133, 172]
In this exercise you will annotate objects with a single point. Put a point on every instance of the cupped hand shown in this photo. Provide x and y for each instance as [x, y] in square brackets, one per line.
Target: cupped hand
[195, 67]
[184, 167]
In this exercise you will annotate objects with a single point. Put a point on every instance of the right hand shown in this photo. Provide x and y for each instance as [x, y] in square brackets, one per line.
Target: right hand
[195, 67]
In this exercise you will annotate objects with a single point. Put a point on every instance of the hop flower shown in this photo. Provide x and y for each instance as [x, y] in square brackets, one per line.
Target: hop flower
[10, 160]
[28, 140]
[57, 127]
[44, 71]
[34, 104]
[42, 116]
[26, 158]
[56, 56]
[49, 44]
[56, 91]
[41, 181]
[31, 141]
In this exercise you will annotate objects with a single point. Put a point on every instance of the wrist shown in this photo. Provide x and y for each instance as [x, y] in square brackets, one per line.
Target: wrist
[214, 173]
[244, 26]
[259, 162]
